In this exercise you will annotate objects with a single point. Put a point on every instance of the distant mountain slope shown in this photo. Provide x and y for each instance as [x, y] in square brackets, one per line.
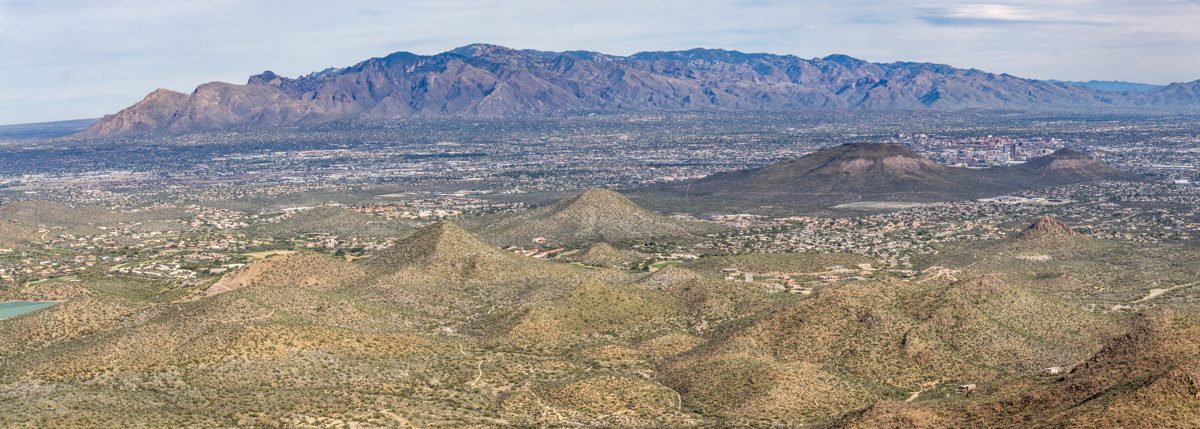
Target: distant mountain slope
[1112, 85]
[875, 172]
[336, 220]
[1174, 95]
[43, 130]
[488, 80]
[16, 234]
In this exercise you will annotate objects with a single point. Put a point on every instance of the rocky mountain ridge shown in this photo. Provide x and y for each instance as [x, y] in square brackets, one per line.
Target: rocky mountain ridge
[488, 80]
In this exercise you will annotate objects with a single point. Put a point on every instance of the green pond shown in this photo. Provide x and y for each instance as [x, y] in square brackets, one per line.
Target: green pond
[13, 309]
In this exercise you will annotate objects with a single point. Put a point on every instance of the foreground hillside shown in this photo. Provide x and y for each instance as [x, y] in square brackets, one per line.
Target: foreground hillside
[1145, 377]
[442, 329]
[488, 80]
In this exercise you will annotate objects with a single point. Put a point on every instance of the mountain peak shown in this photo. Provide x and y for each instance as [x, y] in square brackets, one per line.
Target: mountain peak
[703, 54]
[593, 216]
[844, 60]
[446, 250]
[161, 93]
[1048, 227]
[153, 113]
[481, 49]
[442, 241]
[266, 78]
[600, 196]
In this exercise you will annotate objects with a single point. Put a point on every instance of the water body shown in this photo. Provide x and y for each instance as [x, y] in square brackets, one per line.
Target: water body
[11, 309]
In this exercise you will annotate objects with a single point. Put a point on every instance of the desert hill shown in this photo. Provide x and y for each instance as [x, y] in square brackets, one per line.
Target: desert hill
[82, 219]
[446, 249]
[837, 175]
[298, 323]
[600, 401]
[56, 215]
[712, 301]
[301, 269]
[1047, 228]
[596, 215]
[1090, 272]
[1144, 378]
[444, 274]
[618, 312]
[335, 220]
[855, 345]
[605, 255]
[869, 172]
[866, 169]
[1064, 166]
[13, 235]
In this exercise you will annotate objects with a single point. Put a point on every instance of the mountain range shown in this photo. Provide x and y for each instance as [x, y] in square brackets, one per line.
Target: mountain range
[488, 80]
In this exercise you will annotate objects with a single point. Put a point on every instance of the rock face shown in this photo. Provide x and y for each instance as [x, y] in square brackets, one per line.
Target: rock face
[488, 80]
[156, 112]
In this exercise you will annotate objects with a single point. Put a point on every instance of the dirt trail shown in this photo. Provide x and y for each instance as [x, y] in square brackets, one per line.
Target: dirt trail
[401, 420]
[1154, 293]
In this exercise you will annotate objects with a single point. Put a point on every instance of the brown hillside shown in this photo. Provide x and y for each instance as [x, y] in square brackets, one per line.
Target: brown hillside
[1145, 378]
[605, 255]
[858, 344]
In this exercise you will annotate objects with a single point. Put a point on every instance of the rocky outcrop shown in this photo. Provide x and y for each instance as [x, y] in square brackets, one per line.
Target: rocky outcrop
[1047, 227]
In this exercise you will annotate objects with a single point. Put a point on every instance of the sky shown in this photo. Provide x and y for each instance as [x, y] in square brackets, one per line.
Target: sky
[70, 59]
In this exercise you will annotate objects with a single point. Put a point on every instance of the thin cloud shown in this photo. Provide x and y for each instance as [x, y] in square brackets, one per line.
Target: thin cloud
[1003, 14]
